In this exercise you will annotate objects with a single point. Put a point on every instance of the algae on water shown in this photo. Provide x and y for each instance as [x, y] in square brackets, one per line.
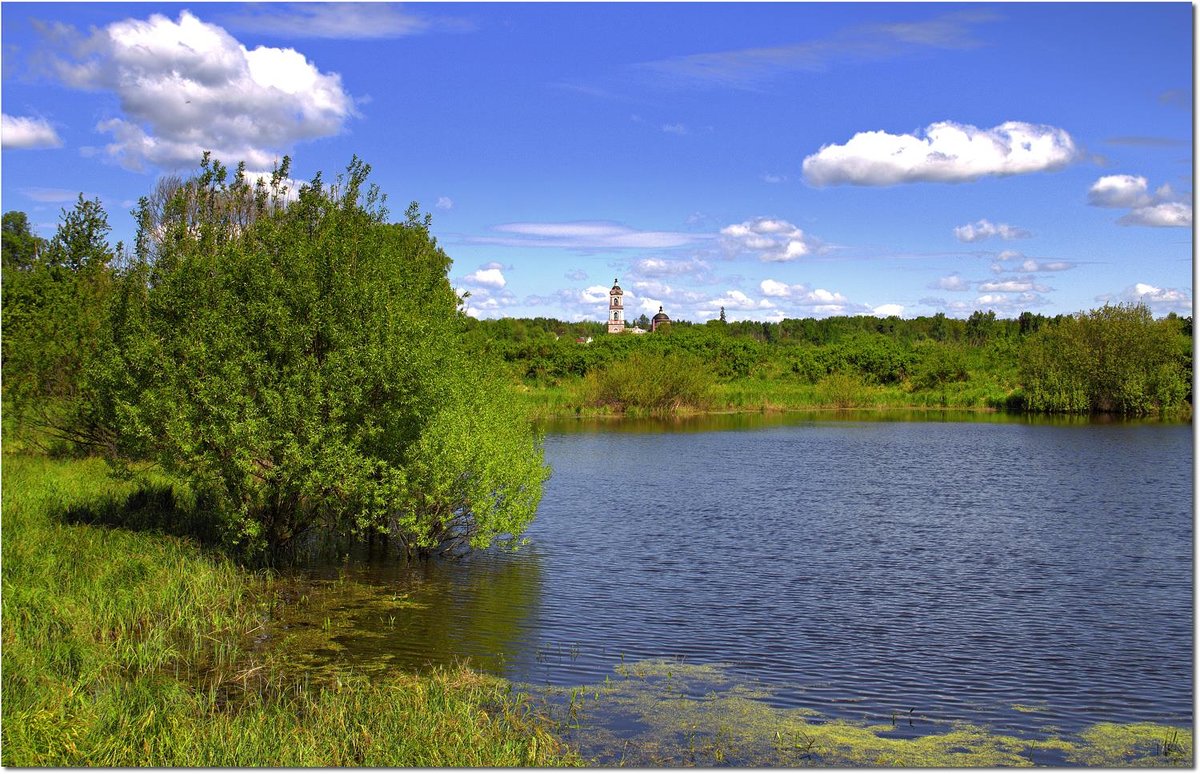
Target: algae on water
[669, 713]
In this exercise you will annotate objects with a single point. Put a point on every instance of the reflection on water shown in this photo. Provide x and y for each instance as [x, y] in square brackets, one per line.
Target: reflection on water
[701, 423]
[369, 616]
[1034, 577]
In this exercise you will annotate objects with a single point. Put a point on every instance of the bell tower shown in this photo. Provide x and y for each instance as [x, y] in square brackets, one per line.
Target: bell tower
[616, 310]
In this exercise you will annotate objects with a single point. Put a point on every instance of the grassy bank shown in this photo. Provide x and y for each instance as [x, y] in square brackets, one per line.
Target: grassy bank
[573, 397]
[125, 648]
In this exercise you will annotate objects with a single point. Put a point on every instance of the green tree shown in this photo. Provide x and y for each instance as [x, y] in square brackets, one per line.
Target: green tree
[1116, 359]
[305, 365]
[21, 245]
[55, 318]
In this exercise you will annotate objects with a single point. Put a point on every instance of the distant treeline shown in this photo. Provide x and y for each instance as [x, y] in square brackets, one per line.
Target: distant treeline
[1115, 359]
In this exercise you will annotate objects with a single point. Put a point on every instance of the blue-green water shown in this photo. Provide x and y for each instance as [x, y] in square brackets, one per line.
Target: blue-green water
[1027, 576]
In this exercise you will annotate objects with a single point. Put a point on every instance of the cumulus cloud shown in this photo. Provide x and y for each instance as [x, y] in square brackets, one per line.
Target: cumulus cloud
[985, 229]
[888, 310]
[187, 86]
[771, 239]
[800, 295]
[583, 235]
[485, 302]
[1010, 303]
[945, 152]
[1164, 209]
[1162, 214]
[576, 275]
[953, 282]
[444, 203]
[1119, 191]
[489, 275]
[1158, 299]
[27, 132]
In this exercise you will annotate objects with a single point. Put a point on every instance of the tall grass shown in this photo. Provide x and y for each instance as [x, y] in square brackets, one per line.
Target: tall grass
[126, 648]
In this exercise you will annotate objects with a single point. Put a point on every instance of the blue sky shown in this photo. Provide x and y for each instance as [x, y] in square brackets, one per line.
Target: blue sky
[778, 160]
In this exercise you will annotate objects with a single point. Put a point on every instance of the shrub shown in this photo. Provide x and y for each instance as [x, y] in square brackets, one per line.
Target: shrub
[1114, 359]
[651, 382]
[303, 363]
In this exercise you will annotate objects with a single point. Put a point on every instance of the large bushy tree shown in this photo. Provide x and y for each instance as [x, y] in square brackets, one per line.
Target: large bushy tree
[1115, 359]
[302, 361]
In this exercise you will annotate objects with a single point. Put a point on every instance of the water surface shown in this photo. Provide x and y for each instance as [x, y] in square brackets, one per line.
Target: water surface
[1032, 576]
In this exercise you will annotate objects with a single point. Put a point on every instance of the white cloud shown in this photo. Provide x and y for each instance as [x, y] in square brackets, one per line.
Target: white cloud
[736, 299]
[1011, 260]
[984, 229]
[1163, 214]
[1010, 286]
[584, 235]
[1119, 191]
[187, 86]
[953, 282]
[1030, 265]
[888, 310]
[674, 128]
[594, 294]
[444, 203]
[945, 152]
[802, 295]
[339, 21]
[26, 132]
[773, 240]
[1157, 298]
[1164, 209]
[666, 267]
[490, 276]
[486, 302]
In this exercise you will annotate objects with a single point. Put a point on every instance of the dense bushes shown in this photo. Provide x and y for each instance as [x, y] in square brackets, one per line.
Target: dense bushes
[651, 382]
[1114, 359]
[296, 359]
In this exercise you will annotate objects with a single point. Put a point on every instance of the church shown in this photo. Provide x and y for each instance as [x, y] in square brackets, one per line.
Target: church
[616, 314]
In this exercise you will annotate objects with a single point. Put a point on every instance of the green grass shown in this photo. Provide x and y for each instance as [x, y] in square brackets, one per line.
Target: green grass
[125, 648]
[570, 397]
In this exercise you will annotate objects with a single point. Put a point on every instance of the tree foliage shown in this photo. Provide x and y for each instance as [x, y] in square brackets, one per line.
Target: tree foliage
[1115, 359]
[55, 300]
[303, 363]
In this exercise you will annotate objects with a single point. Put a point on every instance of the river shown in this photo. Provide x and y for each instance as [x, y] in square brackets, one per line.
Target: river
[1032, 577]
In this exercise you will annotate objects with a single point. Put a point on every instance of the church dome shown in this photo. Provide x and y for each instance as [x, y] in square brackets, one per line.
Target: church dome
[661, 317]
[616, 289]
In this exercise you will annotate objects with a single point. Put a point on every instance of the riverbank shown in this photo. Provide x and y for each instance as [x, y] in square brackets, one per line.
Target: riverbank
[125, 648]
[571, 399]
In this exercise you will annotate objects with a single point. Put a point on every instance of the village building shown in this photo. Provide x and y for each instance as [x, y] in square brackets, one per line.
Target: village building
[616, 314]
[616, 310]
